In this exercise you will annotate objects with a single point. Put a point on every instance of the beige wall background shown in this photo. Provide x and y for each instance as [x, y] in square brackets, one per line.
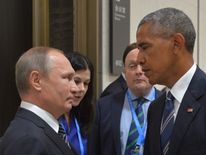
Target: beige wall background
[202, 35]
[196, 10]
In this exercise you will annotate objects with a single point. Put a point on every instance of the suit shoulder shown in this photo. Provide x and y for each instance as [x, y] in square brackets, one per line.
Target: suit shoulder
[116, 86]
[112, 99]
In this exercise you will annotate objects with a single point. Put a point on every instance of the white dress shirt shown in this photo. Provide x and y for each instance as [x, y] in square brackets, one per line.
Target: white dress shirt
[180, 87]
[126, 117]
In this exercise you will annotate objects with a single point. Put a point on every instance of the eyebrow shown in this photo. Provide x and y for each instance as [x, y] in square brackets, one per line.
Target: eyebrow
[132, 62]
[142, 44]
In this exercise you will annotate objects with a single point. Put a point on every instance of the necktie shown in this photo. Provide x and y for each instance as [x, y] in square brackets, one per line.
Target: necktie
[133, 135]
[139, 111]
[62, 134]
[167, 123]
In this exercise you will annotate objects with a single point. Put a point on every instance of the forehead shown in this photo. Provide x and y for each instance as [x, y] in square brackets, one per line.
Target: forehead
[147, 34]
[144, 30]
[60, 62]
[83, 72]
[152, 30]
[132, 55]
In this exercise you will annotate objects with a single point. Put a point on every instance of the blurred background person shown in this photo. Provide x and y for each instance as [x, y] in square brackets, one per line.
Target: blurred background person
[77, 122]
[119, 84]
[119, 127]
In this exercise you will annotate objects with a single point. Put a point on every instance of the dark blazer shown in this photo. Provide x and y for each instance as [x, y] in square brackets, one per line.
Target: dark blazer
[106, 128]
[189, 132]
[116, 86]
[28, 134]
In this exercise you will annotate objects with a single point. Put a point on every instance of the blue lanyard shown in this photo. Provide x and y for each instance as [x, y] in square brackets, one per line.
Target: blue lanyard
[141, 138]
[79, 137]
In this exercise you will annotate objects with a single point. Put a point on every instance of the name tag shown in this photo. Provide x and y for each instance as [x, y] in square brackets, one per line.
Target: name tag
[137, 150]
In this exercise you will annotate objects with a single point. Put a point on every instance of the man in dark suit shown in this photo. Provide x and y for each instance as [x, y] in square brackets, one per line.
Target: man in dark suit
[116, 86]
[166, 39]
[119, 84]
[44, 79]
[114, 116]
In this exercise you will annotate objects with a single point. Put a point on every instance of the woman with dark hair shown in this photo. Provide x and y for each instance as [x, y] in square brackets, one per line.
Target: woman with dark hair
[76, 123]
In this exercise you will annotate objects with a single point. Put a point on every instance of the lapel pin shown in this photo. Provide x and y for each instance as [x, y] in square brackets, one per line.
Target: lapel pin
[189, 110]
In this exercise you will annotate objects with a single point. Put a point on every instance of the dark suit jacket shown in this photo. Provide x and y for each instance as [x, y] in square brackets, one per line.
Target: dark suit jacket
[189, 132]
[28, 134]
[105, 135]
[118, 85]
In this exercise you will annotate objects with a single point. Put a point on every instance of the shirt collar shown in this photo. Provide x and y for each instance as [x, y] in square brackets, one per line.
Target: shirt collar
[150, 96]
[180, 87]
[47, 117]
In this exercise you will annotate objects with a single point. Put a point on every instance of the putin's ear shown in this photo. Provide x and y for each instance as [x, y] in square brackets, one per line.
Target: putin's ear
[179, 40]
[34, 80]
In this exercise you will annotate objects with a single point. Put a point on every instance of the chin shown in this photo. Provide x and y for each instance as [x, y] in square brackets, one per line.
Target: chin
[76, 103]
[152, 81]
[68, 108]
[140, 86]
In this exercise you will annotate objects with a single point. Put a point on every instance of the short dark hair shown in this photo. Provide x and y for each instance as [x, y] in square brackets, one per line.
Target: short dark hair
[170, 21]
[128, 49]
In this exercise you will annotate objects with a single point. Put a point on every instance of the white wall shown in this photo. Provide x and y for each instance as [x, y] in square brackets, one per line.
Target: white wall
[139, 8]
[106, 76]
[202, 35]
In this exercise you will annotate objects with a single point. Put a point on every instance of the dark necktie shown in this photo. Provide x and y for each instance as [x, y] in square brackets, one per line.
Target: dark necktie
[167, 123]
[139, 110]
[62, 134]
[133, 135]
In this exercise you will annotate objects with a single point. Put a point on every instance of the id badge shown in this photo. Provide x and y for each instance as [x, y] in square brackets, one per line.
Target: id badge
[137, 150]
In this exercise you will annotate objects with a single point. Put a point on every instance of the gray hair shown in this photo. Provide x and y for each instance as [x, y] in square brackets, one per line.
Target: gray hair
[34, 59]
[170, 21]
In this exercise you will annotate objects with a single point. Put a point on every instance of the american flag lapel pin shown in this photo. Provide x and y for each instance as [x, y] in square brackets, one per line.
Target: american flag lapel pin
[189, 110]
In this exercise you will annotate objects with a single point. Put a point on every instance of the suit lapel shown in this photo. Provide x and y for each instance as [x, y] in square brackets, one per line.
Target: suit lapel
[58, 141]
[47, 129]
[187, 111]
[156, 120]
[189, 108]
[122, 82]
[116, 111]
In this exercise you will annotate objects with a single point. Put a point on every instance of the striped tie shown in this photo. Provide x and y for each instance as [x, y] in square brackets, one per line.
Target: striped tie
[131, 147]
[167, 123]
[139, 111]
[63, 134]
